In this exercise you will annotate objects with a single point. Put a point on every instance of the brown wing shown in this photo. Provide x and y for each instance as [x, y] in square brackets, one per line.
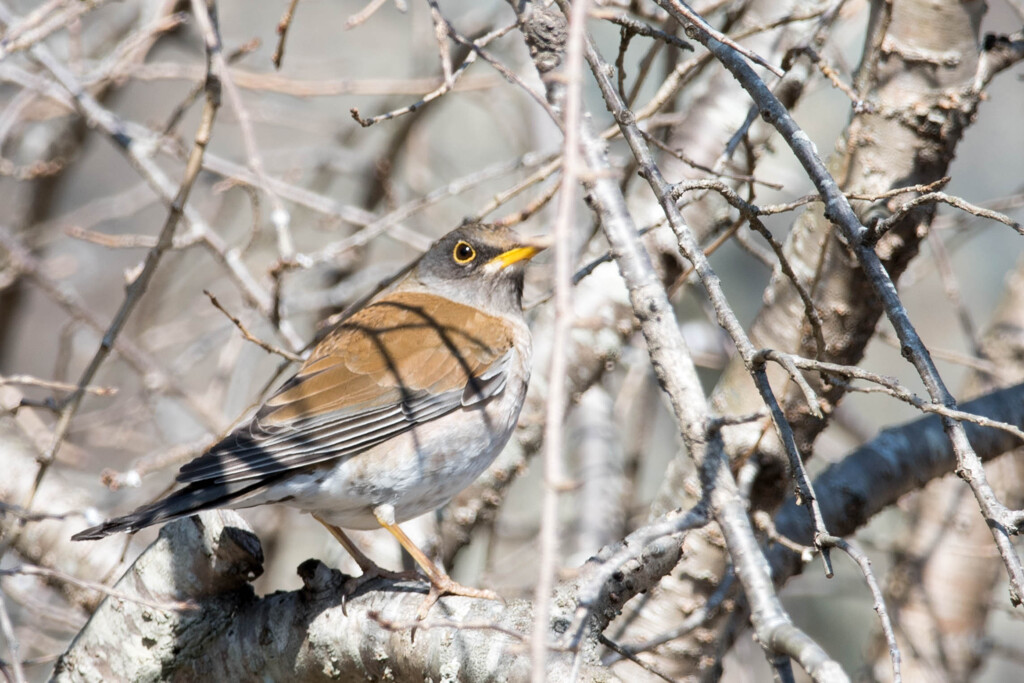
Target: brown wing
[401, 361]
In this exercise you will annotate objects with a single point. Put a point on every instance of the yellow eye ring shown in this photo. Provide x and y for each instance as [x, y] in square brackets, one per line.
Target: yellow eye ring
[463, 252]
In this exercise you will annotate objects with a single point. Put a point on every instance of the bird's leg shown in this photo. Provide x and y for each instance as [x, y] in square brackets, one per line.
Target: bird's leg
[371, 570]
[440, 583]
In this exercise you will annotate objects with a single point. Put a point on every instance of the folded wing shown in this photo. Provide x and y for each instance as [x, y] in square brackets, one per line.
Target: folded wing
[401, 361]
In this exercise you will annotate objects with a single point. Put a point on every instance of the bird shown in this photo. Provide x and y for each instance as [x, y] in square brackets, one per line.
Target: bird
[399, 407]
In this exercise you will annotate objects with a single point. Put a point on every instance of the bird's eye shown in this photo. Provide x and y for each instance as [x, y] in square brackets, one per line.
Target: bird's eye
[463, 253]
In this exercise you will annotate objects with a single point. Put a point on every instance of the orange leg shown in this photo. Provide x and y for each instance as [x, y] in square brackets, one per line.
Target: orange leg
[440, 583]
[371, 570]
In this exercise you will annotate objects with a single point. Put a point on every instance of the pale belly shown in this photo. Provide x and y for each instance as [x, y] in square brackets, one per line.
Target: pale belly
[415, 472]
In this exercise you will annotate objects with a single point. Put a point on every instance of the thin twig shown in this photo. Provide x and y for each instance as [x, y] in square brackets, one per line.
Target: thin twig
[787, 364]
[750, 212]
[299, 87]
[640, 28]
[893, 388]
[692, 20]
[443, 48]
[282, 32]
[41, 24]
[952, 288]
[428, 624]
[31, 516]
[678, 154]
[948, 355]
[876, 231]
[280, 218]
[859, 105]
[363, 14]
[147, 366]
[568, 98]
[56, 574]
[510, 76]
[445, 87]
[270, 348]
[28, 380]
[864, 563]
[175, 455]
[618, 649]
[600, 571]
[693, 621]
[13, 646]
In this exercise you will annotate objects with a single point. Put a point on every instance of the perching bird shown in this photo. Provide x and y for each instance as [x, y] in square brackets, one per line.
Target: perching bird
[396, 410]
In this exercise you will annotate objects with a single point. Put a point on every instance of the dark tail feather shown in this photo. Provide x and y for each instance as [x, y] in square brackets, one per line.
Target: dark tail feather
[182, 503]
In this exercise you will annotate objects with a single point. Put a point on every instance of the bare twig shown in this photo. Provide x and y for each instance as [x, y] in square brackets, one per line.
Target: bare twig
[30, 516]
[691, 20]
[750, 212]
[450, 79]
[441, 35]
[883, 226]
[776, 631]
[569, 100]
[695, 620]
[618, 649]
[893, 388]
[414, 625]
[678, 154]
[13, 646]
[270, 348]
[155, 461]
[58, 386]
[864, 563]
[946, 354]
[283, 25]
[595, 581]
[279, 216]
[365, 13]
[46, 572]
[830, 73]
[952, 288]
[141, 361]
[640, 28]
[42, 23]
[509, 75]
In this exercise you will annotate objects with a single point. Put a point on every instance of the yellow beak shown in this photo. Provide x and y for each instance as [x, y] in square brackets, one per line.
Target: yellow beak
[523, 253]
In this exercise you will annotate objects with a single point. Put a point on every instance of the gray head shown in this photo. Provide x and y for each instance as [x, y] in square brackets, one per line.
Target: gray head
[479, 266]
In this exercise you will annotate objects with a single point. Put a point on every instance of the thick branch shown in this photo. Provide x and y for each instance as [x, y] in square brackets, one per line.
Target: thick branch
[311, 634]
[898, 461]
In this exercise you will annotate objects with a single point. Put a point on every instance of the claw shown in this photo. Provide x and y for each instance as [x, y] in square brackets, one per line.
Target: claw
[445, 585]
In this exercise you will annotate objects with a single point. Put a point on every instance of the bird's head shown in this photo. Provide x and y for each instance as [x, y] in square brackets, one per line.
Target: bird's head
[479, 266]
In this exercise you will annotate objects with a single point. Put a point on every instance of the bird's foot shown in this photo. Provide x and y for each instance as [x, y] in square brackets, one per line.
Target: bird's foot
[445, 585]
[370, 573]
